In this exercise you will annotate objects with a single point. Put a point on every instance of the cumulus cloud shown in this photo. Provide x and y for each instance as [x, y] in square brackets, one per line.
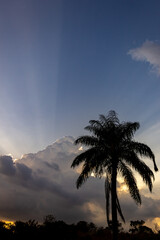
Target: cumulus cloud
[6, 165]
[43, 183]
[149, 52]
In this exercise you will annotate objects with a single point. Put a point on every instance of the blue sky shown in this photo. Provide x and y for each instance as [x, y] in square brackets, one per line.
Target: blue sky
[64, 62]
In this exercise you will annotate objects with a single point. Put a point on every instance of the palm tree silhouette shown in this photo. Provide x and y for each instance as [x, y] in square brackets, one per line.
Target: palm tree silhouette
[112, 151]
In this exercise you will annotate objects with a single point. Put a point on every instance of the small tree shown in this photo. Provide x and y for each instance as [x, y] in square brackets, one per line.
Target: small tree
[138, 227]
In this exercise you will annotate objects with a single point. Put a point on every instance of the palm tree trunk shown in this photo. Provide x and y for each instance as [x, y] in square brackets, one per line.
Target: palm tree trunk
[114, 204]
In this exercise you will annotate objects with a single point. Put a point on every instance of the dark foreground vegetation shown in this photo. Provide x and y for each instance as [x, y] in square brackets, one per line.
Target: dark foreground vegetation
[53, 229]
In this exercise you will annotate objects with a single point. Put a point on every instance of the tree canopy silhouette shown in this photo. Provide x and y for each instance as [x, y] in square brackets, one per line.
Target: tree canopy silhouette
[58, 229]
[112, 150]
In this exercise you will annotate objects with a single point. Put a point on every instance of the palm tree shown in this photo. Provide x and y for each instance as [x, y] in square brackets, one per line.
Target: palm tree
[111, 150]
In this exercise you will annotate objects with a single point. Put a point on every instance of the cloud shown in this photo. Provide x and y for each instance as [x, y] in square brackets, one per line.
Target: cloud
[149, 52]
[53, 166]
[43, 183]
[6, 165]
[149, 211]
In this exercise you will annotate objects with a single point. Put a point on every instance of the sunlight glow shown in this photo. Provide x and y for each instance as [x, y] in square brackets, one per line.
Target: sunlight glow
[123, 188]
[8, 224]
[154, 224]
[157, 220]
[81, 148]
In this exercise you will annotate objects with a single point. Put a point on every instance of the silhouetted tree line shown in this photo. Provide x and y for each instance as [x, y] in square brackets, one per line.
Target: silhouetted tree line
[53, 229]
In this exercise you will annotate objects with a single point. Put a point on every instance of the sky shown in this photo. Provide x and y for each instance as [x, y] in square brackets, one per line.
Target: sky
[64, 62]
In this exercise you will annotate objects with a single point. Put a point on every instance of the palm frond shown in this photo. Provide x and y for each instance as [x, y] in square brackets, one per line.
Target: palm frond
[93, 159]
[130, 181]
[96, 123]
[110, 119]
[119, 210]
[88, 155]
[87, 140]
[143, 150]
[103, 119]
[128, 129]
[86, 172]
[97, 131]
[145, 172]
[113, 116]
[80, 180]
